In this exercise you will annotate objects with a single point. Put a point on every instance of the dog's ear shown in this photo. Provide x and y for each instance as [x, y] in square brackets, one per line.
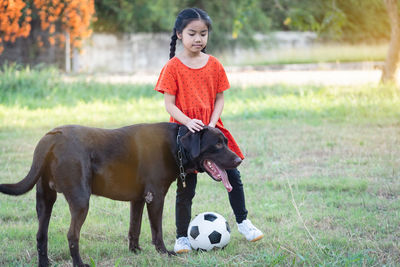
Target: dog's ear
[191, 143]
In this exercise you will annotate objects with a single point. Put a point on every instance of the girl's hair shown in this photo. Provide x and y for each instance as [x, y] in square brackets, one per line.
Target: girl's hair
[182, 20]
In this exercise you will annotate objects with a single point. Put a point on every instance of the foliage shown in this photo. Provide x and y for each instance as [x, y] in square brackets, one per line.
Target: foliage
[349, 20]
[55, 17]
[366, 20]
[15, 18]
[234, 19]
[135, 16]
[73, 16]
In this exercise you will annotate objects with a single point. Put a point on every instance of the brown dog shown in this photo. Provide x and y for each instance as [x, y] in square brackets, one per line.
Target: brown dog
[136, 163]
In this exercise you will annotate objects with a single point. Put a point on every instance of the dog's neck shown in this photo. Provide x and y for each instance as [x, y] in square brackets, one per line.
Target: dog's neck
[187, 161]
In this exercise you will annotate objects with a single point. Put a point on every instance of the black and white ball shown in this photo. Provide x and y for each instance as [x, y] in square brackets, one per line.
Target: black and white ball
[209, 230]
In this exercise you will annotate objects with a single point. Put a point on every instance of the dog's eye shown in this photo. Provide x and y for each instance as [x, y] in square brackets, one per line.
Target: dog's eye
[219, 145]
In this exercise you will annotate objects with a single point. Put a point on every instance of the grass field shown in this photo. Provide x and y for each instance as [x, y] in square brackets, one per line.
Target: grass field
[322, 53]
[321, 173]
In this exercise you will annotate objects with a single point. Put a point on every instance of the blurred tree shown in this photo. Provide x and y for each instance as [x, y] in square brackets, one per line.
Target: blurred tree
[322, 17]
[135, 15]
[344, 20]
[54, 17]
[234, 21]
[15, 17]
[365, 20]
[59, 17]
[392, 60]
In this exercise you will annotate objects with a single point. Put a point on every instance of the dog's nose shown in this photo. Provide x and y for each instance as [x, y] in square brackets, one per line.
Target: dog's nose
[238, 161]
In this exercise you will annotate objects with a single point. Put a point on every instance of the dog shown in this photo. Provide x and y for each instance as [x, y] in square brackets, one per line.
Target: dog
[135, 163]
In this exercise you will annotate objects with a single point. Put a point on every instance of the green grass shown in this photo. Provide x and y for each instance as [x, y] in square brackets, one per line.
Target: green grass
[326, 53]
[321, 173]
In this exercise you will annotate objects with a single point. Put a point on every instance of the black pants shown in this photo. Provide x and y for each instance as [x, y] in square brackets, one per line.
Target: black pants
[184, 196]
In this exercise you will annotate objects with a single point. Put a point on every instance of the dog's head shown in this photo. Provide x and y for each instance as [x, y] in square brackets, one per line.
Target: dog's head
[207, 150]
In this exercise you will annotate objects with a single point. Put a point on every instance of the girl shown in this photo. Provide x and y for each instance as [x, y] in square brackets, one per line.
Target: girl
[193, 83]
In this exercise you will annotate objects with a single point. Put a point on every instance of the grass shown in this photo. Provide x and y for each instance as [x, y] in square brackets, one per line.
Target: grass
[321, 173]
[325, 53]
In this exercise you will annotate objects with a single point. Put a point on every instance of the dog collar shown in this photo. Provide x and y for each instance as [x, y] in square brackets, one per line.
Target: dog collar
[182, 174]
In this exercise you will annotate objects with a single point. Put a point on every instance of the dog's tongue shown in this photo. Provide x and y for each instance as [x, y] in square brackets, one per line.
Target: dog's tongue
[217, 174]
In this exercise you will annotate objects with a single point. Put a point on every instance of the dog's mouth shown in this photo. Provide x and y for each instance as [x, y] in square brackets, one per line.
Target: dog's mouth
[217, 173]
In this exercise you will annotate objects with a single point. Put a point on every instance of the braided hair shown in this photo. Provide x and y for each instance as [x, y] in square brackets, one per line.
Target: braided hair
[182, 20]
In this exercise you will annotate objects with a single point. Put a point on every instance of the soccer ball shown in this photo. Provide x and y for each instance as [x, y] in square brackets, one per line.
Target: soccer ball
[209, 230]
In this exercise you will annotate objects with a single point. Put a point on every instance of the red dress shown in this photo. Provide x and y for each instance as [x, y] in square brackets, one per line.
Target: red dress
[195, 91]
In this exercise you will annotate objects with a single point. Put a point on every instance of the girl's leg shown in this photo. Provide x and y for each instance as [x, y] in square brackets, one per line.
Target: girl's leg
[183, 204]
[236, 196]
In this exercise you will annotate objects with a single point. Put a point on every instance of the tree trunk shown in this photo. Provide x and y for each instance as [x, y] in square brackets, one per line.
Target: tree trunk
[391, 64]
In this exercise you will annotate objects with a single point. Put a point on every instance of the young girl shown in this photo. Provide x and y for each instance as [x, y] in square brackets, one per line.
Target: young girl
[193, 83]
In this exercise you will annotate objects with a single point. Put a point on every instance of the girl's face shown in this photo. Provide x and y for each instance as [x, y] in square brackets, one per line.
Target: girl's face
[194, 36]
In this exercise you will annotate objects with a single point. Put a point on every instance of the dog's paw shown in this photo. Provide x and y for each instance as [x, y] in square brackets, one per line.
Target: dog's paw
[135, 249]
[163, 250]
[43, 262]
[171, 253]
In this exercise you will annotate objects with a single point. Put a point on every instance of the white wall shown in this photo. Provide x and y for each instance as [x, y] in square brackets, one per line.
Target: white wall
[130, 53]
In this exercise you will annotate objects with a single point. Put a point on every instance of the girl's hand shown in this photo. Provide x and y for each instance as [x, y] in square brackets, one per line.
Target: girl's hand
[211, 124]
[194, 125]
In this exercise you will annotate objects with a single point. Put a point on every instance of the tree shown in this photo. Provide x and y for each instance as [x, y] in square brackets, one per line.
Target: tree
[233, 20]
[391, 64]
[15, 21]
[56, 18]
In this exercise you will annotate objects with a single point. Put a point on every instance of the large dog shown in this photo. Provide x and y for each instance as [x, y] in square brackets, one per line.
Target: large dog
[136, 163]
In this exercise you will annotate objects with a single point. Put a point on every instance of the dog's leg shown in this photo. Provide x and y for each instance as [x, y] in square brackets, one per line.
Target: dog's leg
[155, 211]
[78, 206]
[45, 198]
[135, 224]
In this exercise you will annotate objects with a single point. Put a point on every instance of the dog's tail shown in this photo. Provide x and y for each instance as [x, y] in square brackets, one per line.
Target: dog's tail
[39, 158]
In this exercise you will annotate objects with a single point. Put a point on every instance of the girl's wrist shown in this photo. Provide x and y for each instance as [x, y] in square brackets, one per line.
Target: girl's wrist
[186, 122]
